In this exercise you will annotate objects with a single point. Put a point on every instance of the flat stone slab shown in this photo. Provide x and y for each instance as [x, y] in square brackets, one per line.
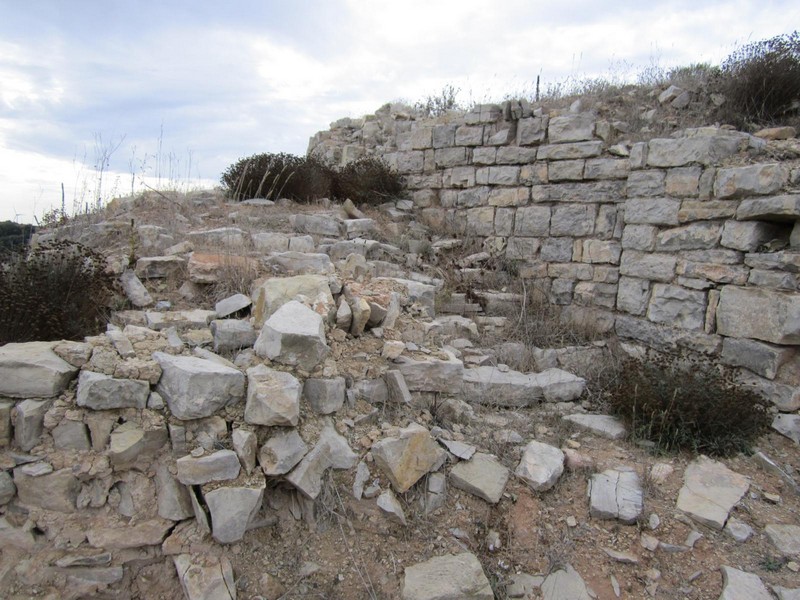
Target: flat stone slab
[101, 392]
[483, 475]
[565, 584]
[710, 490]
[231, 305]
[603, 425]
[447, 578]
[205, 577]
[281, 452]
[762, 314]
[541, 466]
[740, 585]
[616, 494]
[786, 538]
[33, 370]
[490, 385]
[330, 451]
[219, 466]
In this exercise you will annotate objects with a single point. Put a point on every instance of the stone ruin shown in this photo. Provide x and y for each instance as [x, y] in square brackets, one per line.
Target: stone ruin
[181, 433]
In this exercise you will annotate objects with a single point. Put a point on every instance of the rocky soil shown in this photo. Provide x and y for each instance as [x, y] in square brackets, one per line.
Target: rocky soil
[293, 402]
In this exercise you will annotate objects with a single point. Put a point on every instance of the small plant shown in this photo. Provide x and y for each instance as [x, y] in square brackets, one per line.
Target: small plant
[367, 181]
[56, 290]
[773, 564]
[761, 81]
[686, 403]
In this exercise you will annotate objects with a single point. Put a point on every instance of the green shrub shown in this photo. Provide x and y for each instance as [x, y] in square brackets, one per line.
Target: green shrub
[281, 175]
[56, 290]
[685, 403]
[367, 181]
[13, 235]
[761, 81]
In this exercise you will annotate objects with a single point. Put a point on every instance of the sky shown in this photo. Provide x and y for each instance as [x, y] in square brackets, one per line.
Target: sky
[168, 94]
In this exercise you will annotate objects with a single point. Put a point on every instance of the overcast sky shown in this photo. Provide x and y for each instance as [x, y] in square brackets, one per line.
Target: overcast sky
[202, 83]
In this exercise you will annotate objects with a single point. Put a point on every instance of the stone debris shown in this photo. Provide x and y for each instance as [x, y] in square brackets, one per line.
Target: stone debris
[565, 584]
[245, 444]
[541, 466]
[273, 397]
[490, 385]
[331, 451]
[326, 396]
[407, 458]
[389, 504]
[710, 490]
[281, 452]
[232, 305]
[616, 494]
[483, 475]
[101, 392]
[444, 577]
[218, 466]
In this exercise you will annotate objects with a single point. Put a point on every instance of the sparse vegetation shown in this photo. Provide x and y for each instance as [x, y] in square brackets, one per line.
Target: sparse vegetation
[53, 291]
[686, 403]
[435, 105]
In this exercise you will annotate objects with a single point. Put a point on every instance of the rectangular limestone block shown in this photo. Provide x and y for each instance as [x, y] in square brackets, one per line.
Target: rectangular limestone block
[760, 358]
[514, 155]
[565, 170]
[676, 306]
[652, 211]
[573, 220]
[571, 128]
[570, 151]
[774, 208]
[655, 267]
[767, 315]
[705, 150]
[751, 180]
[646, 184]
[747, 236]
[469, 135]
[509, 196]
[607, 168]
[683, 182]
[532, 221]
[633, 295]
[450, 157]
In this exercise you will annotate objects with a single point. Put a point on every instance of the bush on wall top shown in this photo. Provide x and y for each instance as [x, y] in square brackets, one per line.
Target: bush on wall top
[761, 81]
[305, 179]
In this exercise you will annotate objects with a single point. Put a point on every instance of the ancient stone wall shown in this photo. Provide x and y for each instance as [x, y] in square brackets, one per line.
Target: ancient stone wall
[689, 241]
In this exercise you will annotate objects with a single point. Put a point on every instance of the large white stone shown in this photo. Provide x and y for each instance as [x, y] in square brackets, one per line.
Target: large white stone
[490, 385]
[219, 466]
[616, 494]
[330, 451]
[483, 475]
[767, 315]
[232, 507]
[205, 577]
[710, 490]
[101, 392]
[294, 335]
[541, 466]
[740, 585]
[271, 294]
[33, 370]
[194, 387]
[432, 374]
[407, 458]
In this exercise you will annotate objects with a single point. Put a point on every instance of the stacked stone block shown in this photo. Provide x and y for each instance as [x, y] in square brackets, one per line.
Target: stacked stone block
[675, 239]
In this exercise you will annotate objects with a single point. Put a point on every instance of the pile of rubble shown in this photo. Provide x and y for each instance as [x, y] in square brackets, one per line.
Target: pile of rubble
[145, 459]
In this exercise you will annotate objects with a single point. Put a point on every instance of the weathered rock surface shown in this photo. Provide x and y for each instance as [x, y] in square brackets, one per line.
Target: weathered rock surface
[565, 584]
[541, 466]
[101, 392]
[740, 585]
[231, 305]
[330, 451]
[219, 466]
[195, 388]
[616, 494]
[173, 498]
[29, 422]
[56, 491]
[232, 508]
[205, 577]
[281, 452]
[446, 578]
[325, 396]
[120, 536]
[7, 488]
[33, 370]
[135, 290]
[483, 475]
[768, 315]
[294, 335]
[391, 506]
[270, 295]
[786, 538]
[232, 334]
[603, 425]
[431, 374]
[788, 425]
[245, 444]
[710, 490]
[273, 397]
[405, 459]
[490, 385]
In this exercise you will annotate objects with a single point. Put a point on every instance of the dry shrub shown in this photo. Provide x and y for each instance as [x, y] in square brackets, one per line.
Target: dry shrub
[761, 81]
[367, 181]
[684, 402]
[278, 175]
[56, 290]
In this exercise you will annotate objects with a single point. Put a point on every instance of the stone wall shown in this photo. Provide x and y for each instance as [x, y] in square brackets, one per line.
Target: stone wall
[688, 241]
